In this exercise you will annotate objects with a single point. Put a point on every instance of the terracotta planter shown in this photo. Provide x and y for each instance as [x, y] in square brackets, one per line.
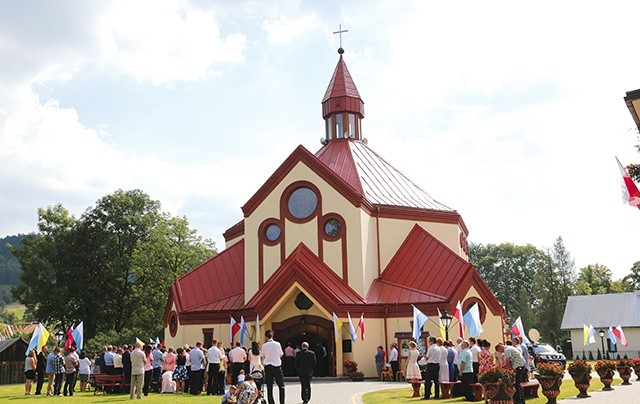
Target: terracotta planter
[637, 370]
[606, 377]
[625, 374]
[582, 382]
[499, 393]
[550, 387]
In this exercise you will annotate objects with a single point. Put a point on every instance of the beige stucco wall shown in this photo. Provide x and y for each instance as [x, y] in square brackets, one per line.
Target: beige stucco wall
[233, 241]
[632, 351]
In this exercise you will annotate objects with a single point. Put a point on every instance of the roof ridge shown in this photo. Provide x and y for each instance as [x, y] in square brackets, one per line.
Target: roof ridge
[399, 285]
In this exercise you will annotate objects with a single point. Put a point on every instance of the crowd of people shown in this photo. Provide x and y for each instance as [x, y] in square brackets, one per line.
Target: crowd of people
[464, 361]
[157, 368]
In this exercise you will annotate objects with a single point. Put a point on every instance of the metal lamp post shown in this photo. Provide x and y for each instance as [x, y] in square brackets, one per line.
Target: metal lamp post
[59, 336]
[446, 321]
[601, 334]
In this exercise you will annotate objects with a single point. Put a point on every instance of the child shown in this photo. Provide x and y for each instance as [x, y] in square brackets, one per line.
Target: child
[230, 396]
[241, 376]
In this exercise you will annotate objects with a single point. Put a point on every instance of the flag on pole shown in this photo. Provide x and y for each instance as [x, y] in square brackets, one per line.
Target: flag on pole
[458, 315]
[630, 193]
[360, 326]
[517, 330]
[70, 340]
[337, 327]
[234, 327]
[38, 339]
[589, 335]
[78, 335]
[243, 330]
[352, 330]
[472, 320]
[585, 335]
[157, 342]
[612, 337]
[443, 331]
[139, 341]
[257, 327]
[419, 319]
[620, 335]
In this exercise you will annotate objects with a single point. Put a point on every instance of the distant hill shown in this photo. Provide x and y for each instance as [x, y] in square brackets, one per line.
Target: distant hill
[9, 266]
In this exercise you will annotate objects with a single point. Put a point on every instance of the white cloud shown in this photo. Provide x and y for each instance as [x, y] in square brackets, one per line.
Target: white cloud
[285, 30]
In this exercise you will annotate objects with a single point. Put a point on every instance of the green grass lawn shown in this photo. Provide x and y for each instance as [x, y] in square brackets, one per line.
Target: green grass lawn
[401, 396]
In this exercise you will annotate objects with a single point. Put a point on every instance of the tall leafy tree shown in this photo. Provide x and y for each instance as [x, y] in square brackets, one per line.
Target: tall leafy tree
[111, 268]
[594, 279]
[634, 277]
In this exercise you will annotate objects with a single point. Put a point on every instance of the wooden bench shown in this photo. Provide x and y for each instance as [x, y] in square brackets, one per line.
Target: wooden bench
[102, 380]
[386, 373]
[530, 388]
[416, 387]
[447, 388]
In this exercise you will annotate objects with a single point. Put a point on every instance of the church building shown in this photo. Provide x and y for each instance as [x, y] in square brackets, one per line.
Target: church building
[337, 231]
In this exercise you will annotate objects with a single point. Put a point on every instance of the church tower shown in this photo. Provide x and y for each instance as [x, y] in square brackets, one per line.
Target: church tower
[342, 107]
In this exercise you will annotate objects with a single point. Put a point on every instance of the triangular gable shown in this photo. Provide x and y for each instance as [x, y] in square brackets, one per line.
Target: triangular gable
[306, 269]
[424, 270]
[300, 154]
[215, 285]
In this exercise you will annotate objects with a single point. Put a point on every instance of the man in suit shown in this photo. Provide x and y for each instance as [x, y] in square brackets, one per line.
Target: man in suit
[304, 362]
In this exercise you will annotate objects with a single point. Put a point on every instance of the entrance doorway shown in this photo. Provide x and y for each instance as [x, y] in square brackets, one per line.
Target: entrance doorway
[317, 332]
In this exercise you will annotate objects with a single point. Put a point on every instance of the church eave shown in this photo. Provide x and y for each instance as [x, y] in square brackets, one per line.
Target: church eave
[421, 214]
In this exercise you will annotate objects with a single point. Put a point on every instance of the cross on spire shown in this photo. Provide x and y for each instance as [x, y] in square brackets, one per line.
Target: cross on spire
[339, 32]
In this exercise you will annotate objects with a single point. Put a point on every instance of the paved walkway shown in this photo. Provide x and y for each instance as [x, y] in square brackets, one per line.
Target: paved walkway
[348, 392]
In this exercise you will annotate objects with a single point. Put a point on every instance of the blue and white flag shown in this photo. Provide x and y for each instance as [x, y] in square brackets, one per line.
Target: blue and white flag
[612, 337]
[472, 320]
[419, 319]
[352, 330]
[78, 335]
[243, 330]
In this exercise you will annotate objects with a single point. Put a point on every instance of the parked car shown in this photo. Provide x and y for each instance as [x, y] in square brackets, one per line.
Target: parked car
[545, 353]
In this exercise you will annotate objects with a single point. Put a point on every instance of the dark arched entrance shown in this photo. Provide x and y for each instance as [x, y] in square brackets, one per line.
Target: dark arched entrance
[316, 331]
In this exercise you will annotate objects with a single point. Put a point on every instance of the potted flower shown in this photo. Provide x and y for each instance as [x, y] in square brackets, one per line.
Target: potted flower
[624, 368]
[605, 369]
[550, 377]
[580, 372]
[351, 369]
[635, 363]
[497, 383]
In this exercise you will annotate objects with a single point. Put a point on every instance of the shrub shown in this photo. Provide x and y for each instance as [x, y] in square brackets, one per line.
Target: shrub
[494, 374]
[579, 367]
[605, 364]
[550, 369]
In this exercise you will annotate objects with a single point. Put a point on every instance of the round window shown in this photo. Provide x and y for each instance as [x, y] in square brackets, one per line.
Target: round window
[273, 232]
[332, 227]
[302, 203]
[173, 323]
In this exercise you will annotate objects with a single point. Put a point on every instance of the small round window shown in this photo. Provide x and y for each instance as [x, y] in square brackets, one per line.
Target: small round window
[332, 227]
[273, 232]
[173, 323]
[302, 203]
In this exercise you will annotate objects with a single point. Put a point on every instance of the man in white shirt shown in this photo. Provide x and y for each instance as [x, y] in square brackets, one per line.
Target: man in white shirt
[238, 357]
[272, 354]
[137, 371]
[213, 356]
[475, 350]
[393, 360]
[197, 369]
[432, 375]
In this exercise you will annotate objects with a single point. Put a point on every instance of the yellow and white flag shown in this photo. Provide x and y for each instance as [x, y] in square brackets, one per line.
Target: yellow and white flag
[337, 327]
[443, 331]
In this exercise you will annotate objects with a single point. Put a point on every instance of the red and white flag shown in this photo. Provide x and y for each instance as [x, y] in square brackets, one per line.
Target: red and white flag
[630, 193]
[458, 315]
[234, 327]
[360, 327]
[70, 340]
[620, 335]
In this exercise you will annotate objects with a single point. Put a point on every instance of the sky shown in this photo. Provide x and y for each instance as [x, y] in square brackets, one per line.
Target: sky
[509, 112]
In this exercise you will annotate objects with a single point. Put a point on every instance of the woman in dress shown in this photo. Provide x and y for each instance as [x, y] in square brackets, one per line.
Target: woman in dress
[168, 385]
[255, 362]
[485, 356]
[30, 363]
[180, 373]
[412, 372]
[84, 370]
[169, 363]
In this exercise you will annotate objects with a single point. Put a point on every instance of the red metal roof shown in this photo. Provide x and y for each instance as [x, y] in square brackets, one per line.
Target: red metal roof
[217, 284]
[342, 94]
[305, 268]
[423, 270]
[373, 177]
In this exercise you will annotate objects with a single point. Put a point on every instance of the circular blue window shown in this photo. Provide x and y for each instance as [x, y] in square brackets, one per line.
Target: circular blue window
[302, 203]
[273, 232]
[332, 227]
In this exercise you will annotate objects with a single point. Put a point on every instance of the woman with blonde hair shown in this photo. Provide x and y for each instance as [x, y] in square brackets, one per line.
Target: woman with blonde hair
[412, 372]
[30, 363]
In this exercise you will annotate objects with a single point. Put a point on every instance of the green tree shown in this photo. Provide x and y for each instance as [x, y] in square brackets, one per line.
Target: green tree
[634, 277]
[111, 268]
[594, 280]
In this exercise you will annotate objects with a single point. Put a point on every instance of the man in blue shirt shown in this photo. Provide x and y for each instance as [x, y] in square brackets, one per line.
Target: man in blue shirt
[158, 360]
[108, 361]
[50, 373]
[465, 365]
